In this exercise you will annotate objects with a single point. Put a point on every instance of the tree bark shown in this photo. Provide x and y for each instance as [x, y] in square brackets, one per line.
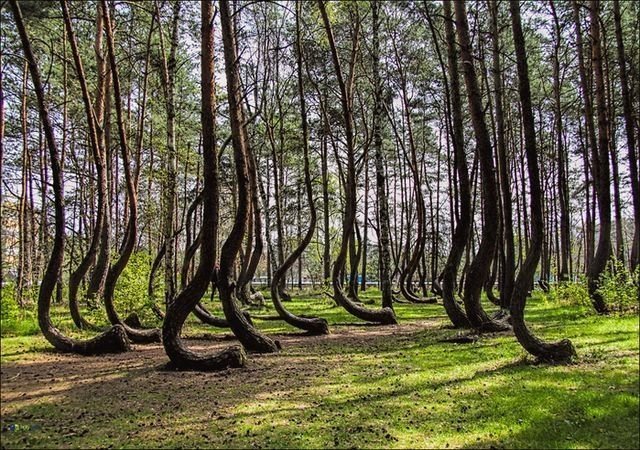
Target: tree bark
[556, 351]
[100, 166]
[627, 107]
[314, 325]
[385, 315]
[481, 263]
[600, 168]
[177, 312]
[115, 339]
[141, 336]
[386, 286]
[508, 260]
[248, 335]
[462, 230]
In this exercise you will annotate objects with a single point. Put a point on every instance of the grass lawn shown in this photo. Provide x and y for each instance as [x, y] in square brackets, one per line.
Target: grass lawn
[360, 386]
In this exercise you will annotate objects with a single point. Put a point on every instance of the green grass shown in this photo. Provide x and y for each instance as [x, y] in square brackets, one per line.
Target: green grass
[360, 387]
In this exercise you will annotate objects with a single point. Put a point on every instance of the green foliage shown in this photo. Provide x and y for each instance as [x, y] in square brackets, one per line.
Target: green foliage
[619, 287]
[16, 321]
[360, 387]
[571, 293]
[8, 305]
[131, 289]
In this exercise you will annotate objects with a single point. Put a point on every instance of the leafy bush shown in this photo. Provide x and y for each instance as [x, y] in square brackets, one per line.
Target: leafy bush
[571, 293]
[16, 321]
[131, 290]
[619, 287]
[8, 304]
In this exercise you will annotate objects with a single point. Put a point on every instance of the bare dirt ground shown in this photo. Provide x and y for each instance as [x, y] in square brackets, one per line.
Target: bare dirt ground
[130, 399]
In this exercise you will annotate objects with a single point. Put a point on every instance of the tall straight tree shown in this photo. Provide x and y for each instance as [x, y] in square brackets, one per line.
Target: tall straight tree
[561, 158]
[384, 237]
[600, 166]
[506, 245]
[627, 108]
[168, 75]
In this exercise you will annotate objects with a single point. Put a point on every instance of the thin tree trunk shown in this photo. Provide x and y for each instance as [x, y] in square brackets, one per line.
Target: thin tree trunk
[627, 107]
[130, 236]
[385, 315]
[508, 261]
[600, 168]
[462, 230]
[384, 239]
[99, 162]
[249, 336]
[313, 325]
[1, 169]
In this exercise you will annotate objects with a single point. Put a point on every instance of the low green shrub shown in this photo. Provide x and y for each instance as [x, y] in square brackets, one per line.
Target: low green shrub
[571, 293]
[131, 290]
[14, 320]
[619, 287]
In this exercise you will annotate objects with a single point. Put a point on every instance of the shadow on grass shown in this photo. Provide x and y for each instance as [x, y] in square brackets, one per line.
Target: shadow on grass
[386, 387]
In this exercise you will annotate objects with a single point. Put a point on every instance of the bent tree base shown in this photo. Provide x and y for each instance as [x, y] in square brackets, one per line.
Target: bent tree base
[114, 340]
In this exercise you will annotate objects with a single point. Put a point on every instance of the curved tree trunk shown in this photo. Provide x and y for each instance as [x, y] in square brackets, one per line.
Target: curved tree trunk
[155, 265]
[188, 298]
[384, 315]
[410, 155]
[481, 263]
[355, 254]
[493, 275]
[191, 247]
[312, 324]
[99, 273]
[243, 293]
[252, 256]
[597, 263]
[462, 229]
[115, 339]
[248, 335]
[89, 258]
[136, 335]
[546, 351]
[384, 238]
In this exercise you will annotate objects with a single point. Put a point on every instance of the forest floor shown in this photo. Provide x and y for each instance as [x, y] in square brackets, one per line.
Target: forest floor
[360, 386]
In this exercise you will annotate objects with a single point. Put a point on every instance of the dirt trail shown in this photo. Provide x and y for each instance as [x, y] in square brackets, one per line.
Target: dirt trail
[71, 395]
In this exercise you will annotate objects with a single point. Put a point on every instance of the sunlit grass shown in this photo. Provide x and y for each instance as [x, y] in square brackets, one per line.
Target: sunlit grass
[373, 390]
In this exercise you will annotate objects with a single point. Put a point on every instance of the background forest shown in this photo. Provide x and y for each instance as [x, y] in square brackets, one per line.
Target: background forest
[234, 165]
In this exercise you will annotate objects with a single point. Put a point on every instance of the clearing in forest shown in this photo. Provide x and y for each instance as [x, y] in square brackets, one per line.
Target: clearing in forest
[361, 386]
